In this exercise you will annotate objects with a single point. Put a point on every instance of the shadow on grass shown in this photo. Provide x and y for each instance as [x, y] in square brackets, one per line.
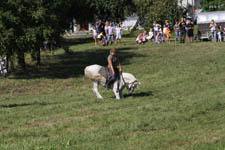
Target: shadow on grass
[24, 104]
[73, 41]
[141, 94]
[65, 65]
[133, 34]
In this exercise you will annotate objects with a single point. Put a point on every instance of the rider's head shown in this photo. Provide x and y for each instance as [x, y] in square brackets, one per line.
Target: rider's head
[113, 51]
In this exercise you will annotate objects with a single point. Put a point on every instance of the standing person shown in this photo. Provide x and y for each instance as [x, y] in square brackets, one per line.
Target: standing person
[176, 29]
[166, 31]
[111, 30]
[190, 30]
[223, 34]
[118, 34]
[182, 27]
[113, 63]
[213, 30]
[95, 35]
[156, 28]
[100, 27]
[219, 35]
[106, 30]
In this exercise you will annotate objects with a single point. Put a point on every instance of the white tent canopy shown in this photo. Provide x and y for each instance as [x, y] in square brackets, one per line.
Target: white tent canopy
[207, 17]
[129, 23]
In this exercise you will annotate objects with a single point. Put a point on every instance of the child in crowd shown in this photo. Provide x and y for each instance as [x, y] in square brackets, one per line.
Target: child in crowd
[139, 38]
[166, 31]
[118, 34]
[95, 35]
[158, 38]
[156, 27]
[219, 34]
[150, 35]
[167, 35]
[144, 37]
[102, 38]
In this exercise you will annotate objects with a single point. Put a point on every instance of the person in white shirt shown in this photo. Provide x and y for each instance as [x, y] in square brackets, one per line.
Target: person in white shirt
[110, 36]
[219, 34]
[139, 38]
[156, 28]
[95, 35]
[144, 37]
[150, 35]
[118, 34]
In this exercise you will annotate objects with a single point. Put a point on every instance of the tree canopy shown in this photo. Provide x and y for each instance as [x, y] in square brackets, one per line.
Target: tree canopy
[24, 24]
[160, 10]
[115, 10]
[213, 5]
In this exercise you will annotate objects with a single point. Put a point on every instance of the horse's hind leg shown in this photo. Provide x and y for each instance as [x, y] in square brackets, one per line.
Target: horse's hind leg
[95, 89]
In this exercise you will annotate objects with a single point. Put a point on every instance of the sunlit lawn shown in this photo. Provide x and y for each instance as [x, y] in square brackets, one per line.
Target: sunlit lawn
[179, 105]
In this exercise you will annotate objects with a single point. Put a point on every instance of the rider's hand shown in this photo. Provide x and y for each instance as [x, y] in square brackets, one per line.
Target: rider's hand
[120, 69]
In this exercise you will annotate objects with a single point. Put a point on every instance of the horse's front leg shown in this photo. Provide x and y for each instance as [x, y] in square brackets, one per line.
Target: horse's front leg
[121, 94]
[95, 89]
[115, 90]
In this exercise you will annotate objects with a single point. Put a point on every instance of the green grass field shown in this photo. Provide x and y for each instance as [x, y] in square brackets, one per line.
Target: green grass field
[180, 104]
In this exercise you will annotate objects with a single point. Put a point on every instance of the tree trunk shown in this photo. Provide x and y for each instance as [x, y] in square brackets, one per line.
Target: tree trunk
[38, 56]
[12, 66]
[33, 56]
[136, 25]
[21, 60]
[7, 61]
[10, 61]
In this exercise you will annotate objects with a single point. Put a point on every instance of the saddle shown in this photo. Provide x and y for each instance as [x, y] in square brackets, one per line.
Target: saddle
[108, 77]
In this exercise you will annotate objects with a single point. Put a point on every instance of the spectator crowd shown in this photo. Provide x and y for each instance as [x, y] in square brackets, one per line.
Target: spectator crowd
[217, 32]
[109, 33]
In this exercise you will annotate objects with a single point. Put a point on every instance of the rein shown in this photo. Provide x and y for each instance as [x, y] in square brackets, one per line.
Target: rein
[126, 84]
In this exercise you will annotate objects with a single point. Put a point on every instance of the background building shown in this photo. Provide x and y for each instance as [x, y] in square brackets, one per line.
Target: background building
[190, 6]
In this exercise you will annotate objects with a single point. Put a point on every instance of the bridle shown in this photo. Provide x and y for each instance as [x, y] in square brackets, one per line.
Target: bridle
[127, 84]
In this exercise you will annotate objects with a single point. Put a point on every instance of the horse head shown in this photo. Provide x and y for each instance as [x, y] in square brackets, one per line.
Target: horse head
[132, 86]
[130, 82]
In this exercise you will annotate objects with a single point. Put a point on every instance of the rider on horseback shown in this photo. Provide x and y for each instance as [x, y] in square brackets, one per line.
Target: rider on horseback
[114, 72]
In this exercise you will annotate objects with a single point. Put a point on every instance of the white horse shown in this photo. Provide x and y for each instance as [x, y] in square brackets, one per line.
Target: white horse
[98, 75]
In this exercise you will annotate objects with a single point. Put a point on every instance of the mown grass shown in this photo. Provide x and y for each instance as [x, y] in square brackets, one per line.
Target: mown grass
[179, 105]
